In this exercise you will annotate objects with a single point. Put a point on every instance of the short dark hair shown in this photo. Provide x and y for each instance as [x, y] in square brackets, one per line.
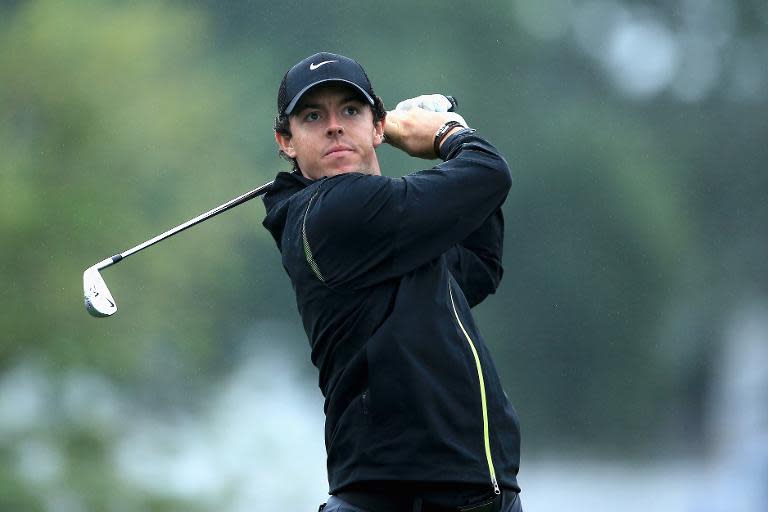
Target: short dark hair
[283, 127]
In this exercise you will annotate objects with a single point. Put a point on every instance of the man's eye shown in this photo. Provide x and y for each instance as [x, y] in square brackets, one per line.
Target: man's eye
[312, 116]
[351, 111]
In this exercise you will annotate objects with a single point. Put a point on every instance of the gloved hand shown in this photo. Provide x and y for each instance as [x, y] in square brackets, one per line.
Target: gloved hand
[431, 102]
[414, 122]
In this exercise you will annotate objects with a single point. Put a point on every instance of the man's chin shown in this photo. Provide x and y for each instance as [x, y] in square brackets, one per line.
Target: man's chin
[347, 170]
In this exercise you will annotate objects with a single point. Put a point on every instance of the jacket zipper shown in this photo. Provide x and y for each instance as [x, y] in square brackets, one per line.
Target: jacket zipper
[483, 401]
[305, 241]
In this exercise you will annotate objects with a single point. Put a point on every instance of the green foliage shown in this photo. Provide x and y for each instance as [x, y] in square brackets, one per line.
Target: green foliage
[115, 123]
[115, 126]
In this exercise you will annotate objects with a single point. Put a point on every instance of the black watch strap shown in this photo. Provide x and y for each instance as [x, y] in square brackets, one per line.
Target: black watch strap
[440, 135]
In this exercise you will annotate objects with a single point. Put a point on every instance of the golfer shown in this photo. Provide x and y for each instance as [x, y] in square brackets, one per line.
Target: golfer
[385, 271]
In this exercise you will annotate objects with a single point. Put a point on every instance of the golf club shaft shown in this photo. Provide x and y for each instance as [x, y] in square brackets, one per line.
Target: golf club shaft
[181, 227]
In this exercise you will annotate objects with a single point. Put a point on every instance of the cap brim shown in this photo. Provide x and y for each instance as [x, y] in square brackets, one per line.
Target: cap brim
[298, 96]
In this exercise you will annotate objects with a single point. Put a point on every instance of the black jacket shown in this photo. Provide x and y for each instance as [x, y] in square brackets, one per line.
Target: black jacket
[385, 271]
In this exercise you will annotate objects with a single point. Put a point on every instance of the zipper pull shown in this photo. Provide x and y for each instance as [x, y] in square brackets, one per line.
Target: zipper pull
[496, 489]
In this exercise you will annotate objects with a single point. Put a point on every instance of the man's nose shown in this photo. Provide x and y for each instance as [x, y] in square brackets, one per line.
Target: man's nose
[334, 126]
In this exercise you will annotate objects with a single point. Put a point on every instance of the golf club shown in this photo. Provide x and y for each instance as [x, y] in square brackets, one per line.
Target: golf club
[99, 301]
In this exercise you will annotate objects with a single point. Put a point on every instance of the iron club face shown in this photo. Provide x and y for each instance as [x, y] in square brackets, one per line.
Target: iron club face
[98, 301]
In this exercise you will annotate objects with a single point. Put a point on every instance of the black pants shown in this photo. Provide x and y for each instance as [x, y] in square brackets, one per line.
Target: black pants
[510, 503]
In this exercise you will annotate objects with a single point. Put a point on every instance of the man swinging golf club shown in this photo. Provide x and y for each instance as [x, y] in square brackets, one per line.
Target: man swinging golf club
[385, 272]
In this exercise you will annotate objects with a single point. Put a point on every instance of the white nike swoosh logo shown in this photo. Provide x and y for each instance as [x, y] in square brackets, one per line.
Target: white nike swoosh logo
[315, 66]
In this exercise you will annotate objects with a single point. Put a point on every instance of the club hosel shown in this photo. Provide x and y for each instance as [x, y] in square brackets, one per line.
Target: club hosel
[108, 262]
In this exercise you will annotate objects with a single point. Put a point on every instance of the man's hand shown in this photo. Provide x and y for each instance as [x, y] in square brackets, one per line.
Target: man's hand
[431, 102]
[412, 126]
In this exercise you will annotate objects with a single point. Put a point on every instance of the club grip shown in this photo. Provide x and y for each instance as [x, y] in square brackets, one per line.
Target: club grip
[454, 103]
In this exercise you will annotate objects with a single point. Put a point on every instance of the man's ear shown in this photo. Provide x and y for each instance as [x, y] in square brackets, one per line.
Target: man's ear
[286, 144]
[378, 130]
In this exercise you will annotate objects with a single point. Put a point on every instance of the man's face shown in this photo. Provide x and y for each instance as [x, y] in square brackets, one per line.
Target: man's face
[332, 132]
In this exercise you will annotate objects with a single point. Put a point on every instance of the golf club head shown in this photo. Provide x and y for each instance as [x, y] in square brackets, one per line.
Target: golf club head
[98, 301]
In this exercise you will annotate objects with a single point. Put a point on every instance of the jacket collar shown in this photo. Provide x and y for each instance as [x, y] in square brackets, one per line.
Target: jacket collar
[277, 198]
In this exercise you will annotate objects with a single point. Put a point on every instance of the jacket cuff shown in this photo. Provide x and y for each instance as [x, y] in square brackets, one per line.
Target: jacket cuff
[452, 144]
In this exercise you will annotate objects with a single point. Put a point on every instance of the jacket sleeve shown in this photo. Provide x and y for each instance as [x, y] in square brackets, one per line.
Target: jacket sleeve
[359, 229]
[476, 261]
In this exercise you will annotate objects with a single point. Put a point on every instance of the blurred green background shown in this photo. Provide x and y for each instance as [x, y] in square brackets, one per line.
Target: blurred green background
[631, 328]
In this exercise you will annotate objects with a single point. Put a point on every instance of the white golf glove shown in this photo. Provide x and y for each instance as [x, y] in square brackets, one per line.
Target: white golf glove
[432, 103]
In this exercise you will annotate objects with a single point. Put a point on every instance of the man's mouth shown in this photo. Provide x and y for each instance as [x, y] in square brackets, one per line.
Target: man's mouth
[338, 149]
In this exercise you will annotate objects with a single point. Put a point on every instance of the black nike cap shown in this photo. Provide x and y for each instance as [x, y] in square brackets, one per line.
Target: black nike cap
[317, 69]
